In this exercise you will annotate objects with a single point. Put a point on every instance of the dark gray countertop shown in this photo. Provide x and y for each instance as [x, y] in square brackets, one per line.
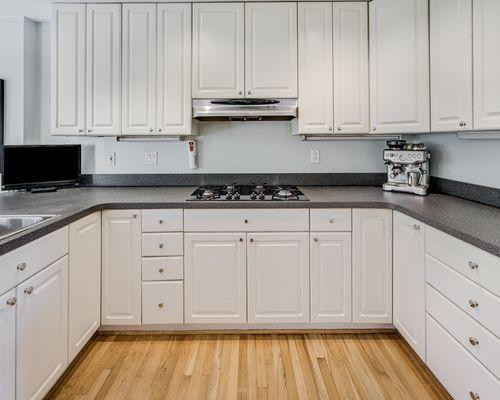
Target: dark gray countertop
[474, 223]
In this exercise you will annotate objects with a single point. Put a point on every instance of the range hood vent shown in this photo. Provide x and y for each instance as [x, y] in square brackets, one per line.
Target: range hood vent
[245, 109]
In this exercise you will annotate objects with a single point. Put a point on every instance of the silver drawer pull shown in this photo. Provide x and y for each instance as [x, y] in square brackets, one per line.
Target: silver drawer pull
[12, 301]
[161, 305]
[474, 396]
[473, 265]
[160, 245]
[28, 290]
[473, 341]
[161, 270]
[473, 303]
[22, 266]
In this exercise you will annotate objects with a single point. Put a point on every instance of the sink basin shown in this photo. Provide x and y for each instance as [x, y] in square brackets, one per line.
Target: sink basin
[12, 224]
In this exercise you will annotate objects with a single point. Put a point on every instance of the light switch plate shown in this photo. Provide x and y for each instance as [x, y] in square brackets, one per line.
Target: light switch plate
[151, 158]
[111, 158]
[314, 156]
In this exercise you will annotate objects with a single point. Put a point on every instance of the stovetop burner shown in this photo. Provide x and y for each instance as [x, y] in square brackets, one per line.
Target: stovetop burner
[234, 192]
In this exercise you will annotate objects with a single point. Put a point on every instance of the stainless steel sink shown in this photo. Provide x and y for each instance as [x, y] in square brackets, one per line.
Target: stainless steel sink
[12, 224]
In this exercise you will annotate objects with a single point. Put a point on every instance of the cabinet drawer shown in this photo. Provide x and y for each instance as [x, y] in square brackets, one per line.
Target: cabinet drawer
[281, 220]
[477, 265]
[26, 261]
[162, 244]
[331, 220]
[162, 268]
[476, 339]
[162, 220]
[458, 371]
[480, 304]
[162, 302]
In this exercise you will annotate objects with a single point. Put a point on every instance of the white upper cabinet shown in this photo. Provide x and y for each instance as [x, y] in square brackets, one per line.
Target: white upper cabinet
[84, 281]
[451, 65]
[271, 50]
[399, 66]
[409, 281]
[139, 69]
[486, 64]
[372, 266]
[8, 345]
[174, 69]
[68, 70]
[351, 69]
[103, 69]
[315, 51]
[218, 50]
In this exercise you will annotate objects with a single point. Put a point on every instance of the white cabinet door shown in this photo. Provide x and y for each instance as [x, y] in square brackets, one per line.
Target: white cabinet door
[350, 66]
[84, 281]
[215, 278]
[139, 69]
[409, 281]
[399, 66]
[68, 70]
[121, 268]
[331, 277]
[174, 69]
[315, 44]
[451, 65]
[8, 345]
[271, 50]
[104, 32]
[372, 266]
[218, 50]
[486, 64]
[42, 331]
[278, 277]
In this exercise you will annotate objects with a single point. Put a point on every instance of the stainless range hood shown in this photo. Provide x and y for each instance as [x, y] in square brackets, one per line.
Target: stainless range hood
[245, 109]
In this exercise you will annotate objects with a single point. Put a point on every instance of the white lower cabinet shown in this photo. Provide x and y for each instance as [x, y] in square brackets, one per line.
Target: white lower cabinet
[162, 302]
[42, 331]
[409, 281]
[278, 277]
[84, 280]
[215, 278]
[8, 345]
[121, 268]
[372, 266]
[331, 277]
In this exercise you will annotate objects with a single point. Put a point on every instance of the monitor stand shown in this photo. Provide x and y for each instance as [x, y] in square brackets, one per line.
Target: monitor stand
[44, 189]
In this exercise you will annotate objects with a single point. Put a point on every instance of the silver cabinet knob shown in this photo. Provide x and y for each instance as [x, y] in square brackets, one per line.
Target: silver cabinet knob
[161, 305]
[159, 130]
[251, 240]
[240, 93]
[473, 303]
[330, 128]
[374, 129]
[80, 130]
[160, 221]
[249, 92]
[473, 341]
[28, 290]
[332, 220]
[246, 221]
[315, 239]
[416, 227]
[21, 267]
[474, 396]
[473, 265]
[160, 245]
[241, 239]
[161, 270]
[12, 301]
[339, 128]
[151, 130]
[89, 130]
[462, 123]
[134, 215]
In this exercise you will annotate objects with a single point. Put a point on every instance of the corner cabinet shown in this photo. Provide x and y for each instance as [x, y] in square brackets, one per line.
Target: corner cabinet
[8, 345]
[372, 266]
[399, 66]
[121, 268]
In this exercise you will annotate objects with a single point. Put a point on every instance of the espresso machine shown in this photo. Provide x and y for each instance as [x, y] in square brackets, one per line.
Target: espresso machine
[407, 167]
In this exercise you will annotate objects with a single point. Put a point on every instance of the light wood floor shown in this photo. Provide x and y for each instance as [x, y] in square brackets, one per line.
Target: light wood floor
[271, 366]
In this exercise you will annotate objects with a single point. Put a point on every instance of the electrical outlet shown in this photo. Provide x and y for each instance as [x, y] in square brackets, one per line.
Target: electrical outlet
[112, 158]
[314, 156]
[151, 158]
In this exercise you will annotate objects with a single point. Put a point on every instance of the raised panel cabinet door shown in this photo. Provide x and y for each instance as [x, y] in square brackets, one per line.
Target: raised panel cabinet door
[399, 66]
[278, 277]
[486, 33]
[42, 331]
[174, 69]
[139, 69]
[331, 277]
[271, 50]
[215, 278]
[372, 266]
[104, 31]
[121, 268]
[218, 50]
[409, 281]
[84, 281]
[351, 70]
[8, 345]
[451, 65]
[68, 70]
[315, 42]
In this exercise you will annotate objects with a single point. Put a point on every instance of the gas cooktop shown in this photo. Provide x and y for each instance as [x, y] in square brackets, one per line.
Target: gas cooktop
[247, 193]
